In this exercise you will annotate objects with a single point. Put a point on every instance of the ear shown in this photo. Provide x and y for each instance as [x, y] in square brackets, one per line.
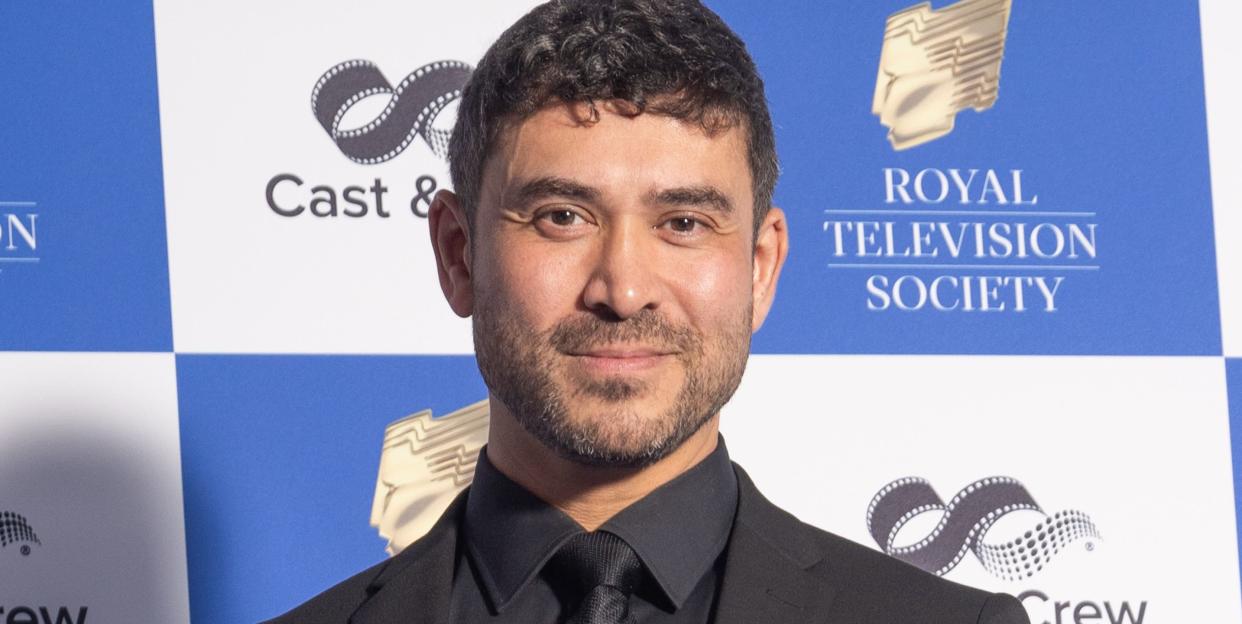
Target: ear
[450, 238]
[771, 247]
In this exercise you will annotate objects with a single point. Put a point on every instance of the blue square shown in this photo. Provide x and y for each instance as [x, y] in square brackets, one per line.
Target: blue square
[1233, 381]
[279, 460]
[83, 257]
[1100, 107]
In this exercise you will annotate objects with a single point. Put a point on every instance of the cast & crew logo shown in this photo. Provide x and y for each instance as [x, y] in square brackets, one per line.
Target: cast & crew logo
[14, 528]
[935, 63]
[965, 524]
[411, 113]
[19, 243]
[414, 105]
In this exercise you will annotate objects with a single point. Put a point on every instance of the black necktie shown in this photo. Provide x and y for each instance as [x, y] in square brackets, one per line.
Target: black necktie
[601, 571]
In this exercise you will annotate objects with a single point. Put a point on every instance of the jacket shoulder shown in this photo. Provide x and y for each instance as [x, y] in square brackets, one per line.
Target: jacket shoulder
[340, 602]
[901, 591]
[869, 586]
[336, 604]
[894, 591]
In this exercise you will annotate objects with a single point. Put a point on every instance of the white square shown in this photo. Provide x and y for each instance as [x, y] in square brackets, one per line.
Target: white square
[1139, 445]
[1223, 91]
[236, 81]
[91, 462]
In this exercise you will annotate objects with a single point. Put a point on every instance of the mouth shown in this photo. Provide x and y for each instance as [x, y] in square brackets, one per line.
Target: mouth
[621, 359]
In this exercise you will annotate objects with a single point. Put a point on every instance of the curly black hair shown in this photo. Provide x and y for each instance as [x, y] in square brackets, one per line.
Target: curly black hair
[666, 57]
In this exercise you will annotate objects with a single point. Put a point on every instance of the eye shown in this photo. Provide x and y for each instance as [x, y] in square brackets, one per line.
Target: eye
[561, 218]
[684, 225]
[562, 222]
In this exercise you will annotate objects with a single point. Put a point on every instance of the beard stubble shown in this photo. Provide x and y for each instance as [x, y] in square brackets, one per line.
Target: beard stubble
[522, 368]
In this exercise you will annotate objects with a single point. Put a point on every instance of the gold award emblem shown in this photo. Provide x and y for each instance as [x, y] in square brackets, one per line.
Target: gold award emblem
[935, 63]
[425, 463]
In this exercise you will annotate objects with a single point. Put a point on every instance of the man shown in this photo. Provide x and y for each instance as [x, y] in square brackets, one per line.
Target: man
[613, 238]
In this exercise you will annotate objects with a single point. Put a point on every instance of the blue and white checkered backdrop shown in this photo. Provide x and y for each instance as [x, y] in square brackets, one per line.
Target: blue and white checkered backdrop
[216, 290]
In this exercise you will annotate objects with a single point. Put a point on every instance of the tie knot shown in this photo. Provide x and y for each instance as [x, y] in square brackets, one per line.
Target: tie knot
[589, 560]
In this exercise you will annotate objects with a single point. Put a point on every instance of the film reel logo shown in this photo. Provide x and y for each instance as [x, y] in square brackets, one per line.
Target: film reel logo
[965, 523]
[14, 528]
[411, 112]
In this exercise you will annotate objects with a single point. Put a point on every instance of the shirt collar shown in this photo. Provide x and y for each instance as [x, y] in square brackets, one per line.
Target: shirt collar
[678, 530]
[510, 533]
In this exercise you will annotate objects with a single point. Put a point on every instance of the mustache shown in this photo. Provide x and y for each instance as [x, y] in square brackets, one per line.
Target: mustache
[587, 331]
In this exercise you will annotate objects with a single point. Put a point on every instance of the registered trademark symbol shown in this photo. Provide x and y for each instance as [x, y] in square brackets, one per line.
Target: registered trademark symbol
[25, 550]
[1090, 546]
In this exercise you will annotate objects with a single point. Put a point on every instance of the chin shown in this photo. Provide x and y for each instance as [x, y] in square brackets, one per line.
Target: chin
[632, 436]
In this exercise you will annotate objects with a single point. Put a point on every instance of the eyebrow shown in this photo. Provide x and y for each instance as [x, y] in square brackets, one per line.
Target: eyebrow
[708, 197]
[696, 196]
[551, 186]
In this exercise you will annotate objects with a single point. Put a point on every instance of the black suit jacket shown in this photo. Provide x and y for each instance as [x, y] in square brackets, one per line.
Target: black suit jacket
[777, 571]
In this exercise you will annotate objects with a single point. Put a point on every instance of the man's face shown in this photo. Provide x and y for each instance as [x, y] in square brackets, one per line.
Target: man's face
[612, 277]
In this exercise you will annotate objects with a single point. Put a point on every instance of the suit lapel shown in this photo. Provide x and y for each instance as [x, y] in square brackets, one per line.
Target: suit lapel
[767, 577]
[417, 586]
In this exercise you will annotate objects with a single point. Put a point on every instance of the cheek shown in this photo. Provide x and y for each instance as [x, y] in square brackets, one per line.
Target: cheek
[713, 292]
[540, 287]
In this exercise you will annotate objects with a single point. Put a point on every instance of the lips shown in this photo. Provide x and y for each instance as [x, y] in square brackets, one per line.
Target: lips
[623, 352]
[620, 360]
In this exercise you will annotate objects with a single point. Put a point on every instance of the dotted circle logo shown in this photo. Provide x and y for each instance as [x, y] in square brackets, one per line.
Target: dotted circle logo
[965, 522]
[14, 528]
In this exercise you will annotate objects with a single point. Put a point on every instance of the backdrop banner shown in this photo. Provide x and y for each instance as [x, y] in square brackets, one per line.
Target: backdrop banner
[1006, 347]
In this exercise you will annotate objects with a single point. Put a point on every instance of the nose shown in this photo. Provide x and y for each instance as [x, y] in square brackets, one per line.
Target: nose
[624, 280]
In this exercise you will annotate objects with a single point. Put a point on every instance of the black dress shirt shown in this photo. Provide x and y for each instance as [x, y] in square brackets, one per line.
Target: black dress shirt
[679, 531]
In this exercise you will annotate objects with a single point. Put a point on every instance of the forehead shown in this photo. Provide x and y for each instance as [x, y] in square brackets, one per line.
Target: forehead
[619, 154]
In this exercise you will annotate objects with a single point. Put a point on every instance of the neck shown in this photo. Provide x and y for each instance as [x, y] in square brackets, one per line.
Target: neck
[588, 494]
